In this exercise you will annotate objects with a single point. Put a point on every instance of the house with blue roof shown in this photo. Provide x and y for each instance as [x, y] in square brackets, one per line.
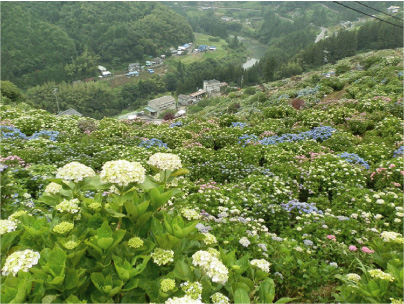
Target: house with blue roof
[203, 48]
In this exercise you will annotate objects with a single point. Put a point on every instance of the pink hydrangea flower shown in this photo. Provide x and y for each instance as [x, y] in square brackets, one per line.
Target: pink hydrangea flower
[352, 248]
[367, 250]
[331, 237]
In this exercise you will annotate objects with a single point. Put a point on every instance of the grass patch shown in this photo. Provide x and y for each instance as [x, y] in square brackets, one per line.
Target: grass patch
[195, 57]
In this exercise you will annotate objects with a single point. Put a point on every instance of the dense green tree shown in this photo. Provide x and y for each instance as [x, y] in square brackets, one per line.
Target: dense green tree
[11, 93]
[43, 41]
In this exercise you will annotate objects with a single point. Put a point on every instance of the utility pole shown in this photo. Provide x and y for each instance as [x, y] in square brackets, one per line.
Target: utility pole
[324, 61]
[241, 84]
[55, 91]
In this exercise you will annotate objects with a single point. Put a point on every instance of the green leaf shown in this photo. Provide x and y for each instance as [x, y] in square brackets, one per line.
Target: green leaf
[98, 280]
[131, 284]
[122, 271]
[76, 256]
[158, 199]
[104, 230]
[56, 261]
[177, 231]
[139, 268]
[130, 209]
[241, 296]
[72, 279]
[93, 183]
[7, 240]
[35, 232]
[181, 171]
[156, 226]
[267, 291]
[15, 290]
[182, 271]
[148, 184]
[49, 298]
[285, 300]
[113, 213]
[142, 220]
[57, 280]
[73, 300]
[105, 242]
[190, 228]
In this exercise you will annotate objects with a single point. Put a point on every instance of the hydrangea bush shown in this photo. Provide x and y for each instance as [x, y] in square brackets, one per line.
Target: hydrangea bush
[281, 205]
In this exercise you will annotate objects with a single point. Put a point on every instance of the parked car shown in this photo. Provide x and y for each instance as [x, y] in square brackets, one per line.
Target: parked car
[151, 71]
[131, 74]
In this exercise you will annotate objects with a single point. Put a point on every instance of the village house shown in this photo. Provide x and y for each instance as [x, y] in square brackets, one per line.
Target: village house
[198, 95]
[134, 67]
[393, 9]
[157, 106]
[212, 87]
[203, 48]
[103, 71]
[224, 18]
[158, 60]
[70, 111]
[184, 100]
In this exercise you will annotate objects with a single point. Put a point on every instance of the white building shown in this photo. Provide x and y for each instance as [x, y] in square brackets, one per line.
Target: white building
[212, 87]
[393, 9]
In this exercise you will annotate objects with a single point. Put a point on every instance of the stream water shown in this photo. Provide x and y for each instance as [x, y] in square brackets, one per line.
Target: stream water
[256, 50]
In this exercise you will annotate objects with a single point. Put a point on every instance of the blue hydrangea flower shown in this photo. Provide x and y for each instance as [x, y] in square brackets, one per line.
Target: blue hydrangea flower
[153, 142]
[399, 151]
[11, 132]
[301, 207]
[354, 158]
[240, 125]
[51, 135]
[176, 124]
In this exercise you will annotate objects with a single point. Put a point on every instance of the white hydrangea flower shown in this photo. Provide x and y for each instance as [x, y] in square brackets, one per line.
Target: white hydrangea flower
[377, 273]
[165, 161]
[261, 264]
[353, 277]
[7, 226]
[219, 298]
[390, 236]
[16, 215]
[122, 172]
[190, 214]
[209, 239]
[20, 260]
[75, 172]
[183, 300]
[244, 241]
[162, 257]
[53, 188]
[201, 258]
[69, 206]
[211, 265]
[192, 290]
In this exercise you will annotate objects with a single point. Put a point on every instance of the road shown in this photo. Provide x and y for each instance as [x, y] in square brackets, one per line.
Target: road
[321, 35]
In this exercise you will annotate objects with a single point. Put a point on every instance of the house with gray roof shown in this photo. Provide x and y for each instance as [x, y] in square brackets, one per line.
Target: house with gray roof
[161, 104]
[70, 111]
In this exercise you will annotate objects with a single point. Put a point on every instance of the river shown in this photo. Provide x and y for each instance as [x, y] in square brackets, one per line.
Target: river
[256, 50]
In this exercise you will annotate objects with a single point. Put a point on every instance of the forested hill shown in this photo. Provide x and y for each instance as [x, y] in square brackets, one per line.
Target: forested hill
[42, 41]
